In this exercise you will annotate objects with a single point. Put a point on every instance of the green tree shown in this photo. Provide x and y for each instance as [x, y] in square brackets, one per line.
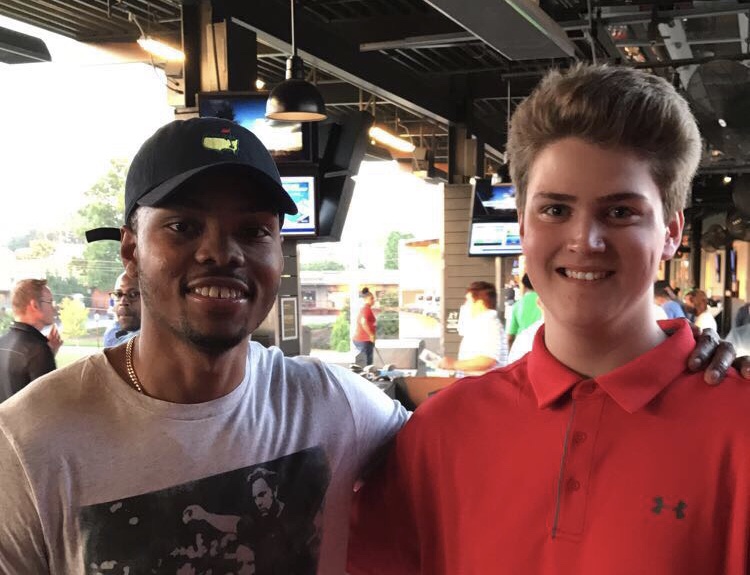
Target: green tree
[73, 315]
[391, 249]
[340, 332]
[327, 265]
[6, 318]
[65, 287]
[101, 264]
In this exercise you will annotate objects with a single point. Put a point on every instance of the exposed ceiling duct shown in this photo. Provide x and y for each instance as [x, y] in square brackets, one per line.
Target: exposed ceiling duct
[518, 29]
[18, 48]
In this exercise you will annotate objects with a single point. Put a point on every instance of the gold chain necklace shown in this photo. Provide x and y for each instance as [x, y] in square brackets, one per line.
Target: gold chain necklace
[134, 381]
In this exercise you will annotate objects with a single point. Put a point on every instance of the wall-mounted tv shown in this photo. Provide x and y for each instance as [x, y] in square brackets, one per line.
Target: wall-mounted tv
[492, 199]
[287, 141]
[494, 238]
[303, 192]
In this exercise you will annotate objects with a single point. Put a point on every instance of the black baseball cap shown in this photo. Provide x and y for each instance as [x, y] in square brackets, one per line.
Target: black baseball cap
[182, 149]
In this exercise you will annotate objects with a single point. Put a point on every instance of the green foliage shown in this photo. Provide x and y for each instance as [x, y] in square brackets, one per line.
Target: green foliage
[22, 241]
[391, 249]
[388, 299]
[73, 315]
[387, 327]
[340, 337]
[5, 320]
[100, 264]
[320, 266]
[65, 287]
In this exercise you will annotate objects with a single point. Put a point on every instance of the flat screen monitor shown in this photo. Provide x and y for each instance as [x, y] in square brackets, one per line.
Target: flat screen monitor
[287, 141]
[302, 190]
[493, 199]
[494, 239]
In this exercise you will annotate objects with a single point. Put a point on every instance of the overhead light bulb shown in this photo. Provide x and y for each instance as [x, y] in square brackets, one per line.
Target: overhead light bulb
[722, 122]
[727, 179]
[259, 84]
[388, 139]
[161, 50]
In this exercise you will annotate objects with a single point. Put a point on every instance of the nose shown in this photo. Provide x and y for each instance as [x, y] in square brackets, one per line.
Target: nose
[587, 236]
[219, 247]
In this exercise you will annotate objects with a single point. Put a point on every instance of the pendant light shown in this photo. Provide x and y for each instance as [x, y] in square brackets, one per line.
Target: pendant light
[295, 99]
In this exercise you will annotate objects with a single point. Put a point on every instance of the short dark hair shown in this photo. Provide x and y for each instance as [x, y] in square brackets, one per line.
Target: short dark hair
[484, 291]
[663, 289]
[526, 281]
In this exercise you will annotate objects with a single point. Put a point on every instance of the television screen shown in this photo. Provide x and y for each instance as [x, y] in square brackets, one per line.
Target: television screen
[492, 199]
[287, 141]
[494, 239]
[302, 191]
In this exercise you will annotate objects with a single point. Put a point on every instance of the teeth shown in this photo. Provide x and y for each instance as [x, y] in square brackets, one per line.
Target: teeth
[219, 292]
[586, 276]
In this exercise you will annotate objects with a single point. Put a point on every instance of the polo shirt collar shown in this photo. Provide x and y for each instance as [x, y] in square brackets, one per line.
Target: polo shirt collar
[631, 386]
[25, 327]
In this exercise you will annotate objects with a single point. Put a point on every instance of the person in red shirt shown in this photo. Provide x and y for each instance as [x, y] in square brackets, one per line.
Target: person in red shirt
[598, 452]
[365, 329]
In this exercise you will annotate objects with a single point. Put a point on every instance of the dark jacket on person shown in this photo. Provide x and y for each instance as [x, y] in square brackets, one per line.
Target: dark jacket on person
[24, 356]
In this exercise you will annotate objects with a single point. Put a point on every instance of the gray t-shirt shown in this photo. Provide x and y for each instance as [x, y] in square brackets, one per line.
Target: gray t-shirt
[97, 478]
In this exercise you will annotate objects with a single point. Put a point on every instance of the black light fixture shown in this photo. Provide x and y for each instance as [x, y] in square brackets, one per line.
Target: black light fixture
[295, 99]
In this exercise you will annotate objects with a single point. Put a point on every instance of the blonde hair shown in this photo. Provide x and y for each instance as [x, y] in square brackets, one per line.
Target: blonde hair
[612, 107]
[24, 292]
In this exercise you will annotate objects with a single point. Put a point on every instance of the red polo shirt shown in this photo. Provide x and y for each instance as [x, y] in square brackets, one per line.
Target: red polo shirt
[534, 469]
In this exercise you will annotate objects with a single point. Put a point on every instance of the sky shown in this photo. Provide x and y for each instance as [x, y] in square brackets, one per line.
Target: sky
[63, 121]
[61, 124]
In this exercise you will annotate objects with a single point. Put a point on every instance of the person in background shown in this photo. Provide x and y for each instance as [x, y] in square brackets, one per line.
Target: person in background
[665, 297]
[525, 311]
[25, 353]
[366, 328]
[597, 452]
[704, 319]
[127, 302]
[483, 345]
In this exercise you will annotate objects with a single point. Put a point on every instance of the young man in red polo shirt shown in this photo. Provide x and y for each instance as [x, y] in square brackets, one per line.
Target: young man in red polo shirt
[597, 453]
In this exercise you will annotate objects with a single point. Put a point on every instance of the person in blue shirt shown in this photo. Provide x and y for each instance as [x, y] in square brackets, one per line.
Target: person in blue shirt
[664, 296]
[127, 301]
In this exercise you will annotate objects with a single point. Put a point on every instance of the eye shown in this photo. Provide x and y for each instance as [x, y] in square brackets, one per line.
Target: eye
[255, 232]
[555, 210]
[185, 228]
[621, 213]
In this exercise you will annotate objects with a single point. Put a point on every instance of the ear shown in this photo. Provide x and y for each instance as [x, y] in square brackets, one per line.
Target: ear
[520, 223]
[673, 235]
[128, 244]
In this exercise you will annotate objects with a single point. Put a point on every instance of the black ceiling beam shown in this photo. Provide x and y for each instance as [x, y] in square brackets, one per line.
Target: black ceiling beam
[385, 28]
[340, 56]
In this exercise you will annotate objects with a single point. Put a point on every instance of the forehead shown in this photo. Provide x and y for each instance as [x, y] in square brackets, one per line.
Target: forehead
[260, 485]
[125, 282]
[575, 167]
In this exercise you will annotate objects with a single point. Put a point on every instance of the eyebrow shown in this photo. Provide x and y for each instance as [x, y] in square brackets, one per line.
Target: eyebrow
[617, 197]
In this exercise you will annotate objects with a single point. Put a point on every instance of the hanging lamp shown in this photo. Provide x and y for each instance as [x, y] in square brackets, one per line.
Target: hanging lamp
[295, 99]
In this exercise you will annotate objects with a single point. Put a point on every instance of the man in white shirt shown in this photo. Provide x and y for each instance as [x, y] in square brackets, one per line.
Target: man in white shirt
[483, 346]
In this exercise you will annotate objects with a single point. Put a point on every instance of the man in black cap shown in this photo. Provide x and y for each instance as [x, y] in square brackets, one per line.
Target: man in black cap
[100, 459]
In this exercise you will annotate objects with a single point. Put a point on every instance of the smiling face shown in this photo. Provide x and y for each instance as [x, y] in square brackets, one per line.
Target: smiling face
[593, 233]
[208, 262]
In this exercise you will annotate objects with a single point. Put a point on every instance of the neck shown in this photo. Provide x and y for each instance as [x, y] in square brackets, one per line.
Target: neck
[184, 374]
[30, 321]
[596, 350]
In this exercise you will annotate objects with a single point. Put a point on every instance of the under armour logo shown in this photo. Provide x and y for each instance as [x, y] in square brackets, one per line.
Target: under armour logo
[679, 509]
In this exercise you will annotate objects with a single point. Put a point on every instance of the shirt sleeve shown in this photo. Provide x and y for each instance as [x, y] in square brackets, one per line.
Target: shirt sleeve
[377, 417]
[515, 312]
[22, 547]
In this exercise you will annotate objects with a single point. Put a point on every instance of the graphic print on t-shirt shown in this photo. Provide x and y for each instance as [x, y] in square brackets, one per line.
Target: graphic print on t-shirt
[264, 519]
